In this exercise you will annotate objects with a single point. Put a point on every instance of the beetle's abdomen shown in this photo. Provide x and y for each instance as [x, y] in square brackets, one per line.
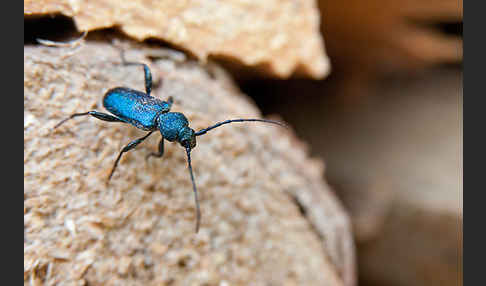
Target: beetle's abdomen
[171, 123]
[134, 107]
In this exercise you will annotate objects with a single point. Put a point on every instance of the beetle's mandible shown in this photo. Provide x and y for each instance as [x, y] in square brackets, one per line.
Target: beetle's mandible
[148, 113]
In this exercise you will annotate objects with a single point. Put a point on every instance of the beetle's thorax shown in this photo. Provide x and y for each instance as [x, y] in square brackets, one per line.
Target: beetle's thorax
[174, 127]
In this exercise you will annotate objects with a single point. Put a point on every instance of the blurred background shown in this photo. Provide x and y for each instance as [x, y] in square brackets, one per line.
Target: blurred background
[388, 124]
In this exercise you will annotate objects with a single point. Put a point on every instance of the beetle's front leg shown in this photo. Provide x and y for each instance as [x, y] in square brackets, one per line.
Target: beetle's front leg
[161, 150]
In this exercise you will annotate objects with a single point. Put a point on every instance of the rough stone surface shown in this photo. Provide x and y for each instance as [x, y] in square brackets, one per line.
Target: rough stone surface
[139, 229]
[274, 37]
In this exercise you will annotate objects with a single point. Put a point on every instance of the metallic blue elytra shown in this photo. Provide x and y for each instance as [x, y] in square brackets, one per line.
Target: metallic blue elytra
[135, 107]
[149, 113]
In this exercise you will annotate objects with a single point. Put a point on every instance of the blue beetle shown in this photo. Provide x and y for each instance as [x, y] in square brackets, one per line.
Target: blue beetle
[148, 113]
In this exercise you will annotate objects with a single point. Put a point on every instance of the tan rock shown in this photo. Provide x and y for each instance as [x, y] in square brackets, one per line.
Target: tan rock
[274, 37]
[139, 229]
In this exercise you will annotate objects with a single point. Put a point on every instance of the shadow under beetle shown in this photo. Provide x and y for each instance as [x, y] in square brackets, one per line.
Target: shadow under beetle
[151, 114]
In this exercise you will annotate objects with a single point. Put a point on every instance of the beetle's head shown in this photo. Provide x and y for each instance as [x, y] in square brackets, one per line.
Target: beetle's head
[187, 137]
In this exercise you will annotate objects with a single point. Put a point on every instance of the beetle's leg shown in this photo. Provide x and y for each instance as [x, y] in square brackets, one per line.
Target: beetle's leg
[167, 106]
[161, 150]
[146, 69]
[99, 115]
[127, 148]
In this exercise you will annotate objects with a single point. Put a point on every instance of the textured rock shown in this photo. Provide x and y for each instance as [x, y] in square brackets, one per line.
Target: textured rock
[274, 37]
[139, 229]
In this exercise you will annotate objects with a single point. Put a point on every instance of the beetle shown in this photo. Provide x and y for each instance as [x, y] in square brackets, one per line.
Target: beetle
[149, 113]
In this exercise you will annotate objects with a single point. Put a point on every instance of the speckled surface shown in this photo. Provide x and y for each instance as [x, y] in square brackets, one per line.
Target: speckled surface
[139, 229]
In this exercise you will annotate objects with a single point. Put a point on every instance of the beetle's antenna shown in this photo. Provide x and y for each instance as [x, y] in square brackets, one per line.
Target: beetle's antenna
[203, 131]
[198, 211]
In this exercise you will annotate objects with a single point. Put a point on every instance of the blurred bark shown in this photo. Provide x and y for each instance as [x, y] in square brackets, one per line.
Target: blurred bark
[376, 37]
